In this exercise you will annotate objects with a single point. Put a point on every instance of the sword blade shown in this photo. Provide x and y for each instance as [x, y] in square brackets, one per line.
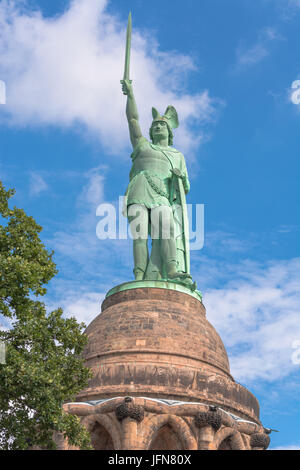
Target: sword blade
[128, 48]
[185, 226]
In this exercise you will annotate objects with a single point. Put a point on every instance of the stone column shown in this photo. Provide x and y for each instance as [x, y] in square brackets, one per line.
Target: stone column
[208, 423]
[130, 415]
[206, 438]
[130, 438]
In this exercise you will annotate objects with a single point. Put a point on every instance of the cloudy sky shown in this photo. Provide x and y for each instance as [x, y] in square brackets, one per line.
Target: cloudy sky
[231, 69]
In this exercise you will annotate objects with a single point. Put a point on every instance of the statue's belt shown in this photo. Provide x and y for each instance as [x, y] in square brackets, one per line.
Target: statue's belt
[158, 190]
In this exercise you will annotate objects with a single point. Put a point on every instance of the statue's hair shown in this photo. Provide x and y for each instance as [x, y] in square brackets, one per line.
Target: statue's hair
[170, 141]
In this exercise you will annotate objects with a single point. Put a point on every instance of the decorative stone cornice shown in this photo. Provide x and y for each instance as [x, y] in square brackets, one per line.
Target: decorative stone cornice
[163, 406]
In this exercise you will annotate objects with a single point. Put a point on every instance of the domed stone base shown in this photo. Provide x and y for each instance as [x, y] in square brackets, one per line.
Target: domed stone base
[158, 343]
[161, 378]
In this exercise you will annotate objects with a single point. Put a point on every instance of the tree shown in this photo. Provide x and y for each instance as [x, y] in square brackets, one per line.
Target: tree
[43, 366]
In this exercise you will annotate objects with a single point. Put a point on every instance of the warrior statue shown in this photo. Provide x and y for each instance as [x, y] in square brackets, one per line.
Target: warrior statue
[155, 196]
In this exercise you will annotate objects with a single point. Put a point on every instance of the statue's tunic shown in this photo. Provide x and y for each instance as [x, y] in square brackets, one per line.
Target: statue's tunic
[151, 176]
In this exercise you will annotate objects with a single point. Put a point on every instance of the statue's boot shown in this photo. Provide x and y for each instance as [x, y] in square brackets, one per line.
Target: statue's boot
[173, 274]
[138, 274]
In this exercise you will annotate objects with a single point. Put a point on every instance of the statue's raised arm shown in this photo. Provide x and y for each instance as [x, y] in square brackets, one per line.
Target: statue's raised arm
[131, 113]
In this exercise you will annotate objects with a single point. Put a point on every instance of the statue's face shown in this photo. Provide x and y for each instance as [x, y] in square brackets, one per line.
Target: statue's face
[159, 130]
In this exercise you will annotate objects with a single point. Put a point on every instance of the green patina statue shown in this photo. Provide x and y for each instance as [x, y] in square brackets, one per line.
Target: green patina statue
[155, 197]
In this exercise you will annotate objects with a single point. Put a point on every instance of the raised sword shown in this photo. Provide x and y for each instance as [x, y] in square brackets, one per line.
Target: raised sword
[127, 51]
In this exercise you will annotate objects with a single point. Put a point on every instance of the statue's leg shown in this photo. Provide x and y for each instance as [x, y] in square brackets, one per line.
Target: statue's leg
[138, 218]
[162, 234]
[153, 272]
[162, 220]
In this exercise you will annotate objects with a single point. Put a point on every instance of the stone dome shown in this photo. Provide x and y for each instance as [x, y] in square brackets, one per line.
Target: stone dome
[158, 343]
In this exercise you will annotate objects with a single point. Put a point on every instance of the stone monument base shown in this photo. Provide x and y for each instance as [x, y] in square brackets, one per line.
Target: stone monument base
[161, 378]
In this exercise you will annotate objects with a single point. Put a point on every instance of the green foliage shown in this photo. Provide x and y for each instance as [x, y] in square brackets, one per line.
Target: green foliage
[43, 365]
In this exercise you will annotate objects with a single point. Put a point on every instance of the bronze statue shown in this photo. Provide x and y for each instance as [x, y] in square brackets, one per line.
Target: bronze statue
[155, 197]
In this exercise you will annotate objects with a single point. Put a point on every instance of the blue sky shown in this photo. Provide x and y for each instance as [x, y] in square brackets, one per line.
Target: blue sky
[228, 68]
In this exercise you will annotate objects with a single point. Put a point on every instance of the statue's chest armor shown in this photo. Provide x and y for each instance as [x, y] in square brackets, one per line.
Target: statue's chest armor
[156, 161]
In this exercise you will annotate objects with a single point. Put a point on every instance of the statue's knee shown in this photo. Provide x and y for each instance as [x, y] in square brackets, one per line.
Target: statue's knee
[167, 228]
[140, 243]
[162, 223]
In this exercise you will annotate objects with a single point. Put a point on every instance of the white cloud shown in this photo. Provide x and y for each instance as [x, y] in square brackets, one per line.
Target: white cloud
[221, 241]
[83, 258]
[287, 8]
[37, 184]
[251, 55]
[92, 193]
[66, 70]
[289, 447]
[286, 228]
[78, 241]
[83, 306]
[257, 315]
[2, 92]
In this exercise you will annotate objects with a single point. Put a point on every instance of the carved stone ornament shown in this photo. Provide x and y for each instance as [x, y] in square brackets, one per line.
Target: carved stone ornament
[260, 440]
[209, 418]
[128, 410]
